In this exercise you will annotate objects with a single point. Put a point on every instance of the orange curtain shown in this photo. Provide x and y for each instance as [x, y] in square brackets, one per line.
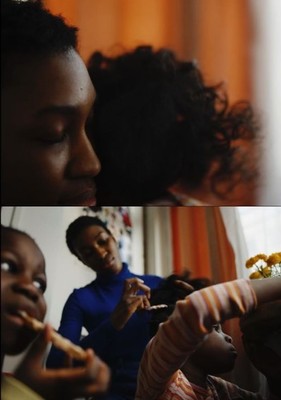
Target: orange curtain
[200, 243]
[215, 32]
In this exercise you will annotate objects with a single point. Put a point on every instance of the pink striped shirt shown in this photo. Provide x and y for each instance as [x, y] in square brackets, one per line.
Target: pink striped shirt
[193, 318]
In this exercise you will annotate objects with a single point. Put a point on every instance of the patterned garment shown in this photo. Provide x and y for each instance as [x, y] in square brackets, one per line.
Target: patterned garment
[159, 375]
[13, 389]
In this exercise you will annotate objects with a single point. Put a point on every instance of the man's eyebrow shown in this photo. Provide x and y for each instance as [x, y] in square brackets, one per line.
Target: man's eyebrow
[61, 110]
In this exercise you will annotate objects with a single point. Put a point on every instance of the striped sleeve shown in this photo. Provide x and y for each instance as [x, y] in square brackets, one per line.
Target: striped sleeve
[192, 319]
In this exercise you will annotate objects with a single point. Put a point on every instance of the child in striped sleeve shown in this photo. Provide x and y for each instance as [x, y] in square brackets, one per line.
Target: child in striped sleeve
[188, 348]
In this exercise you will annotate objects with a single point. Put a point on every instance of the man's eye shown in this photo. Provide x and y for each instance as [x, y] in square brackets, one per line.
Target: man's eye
[56, 140]
[8, 266]
[40, 285]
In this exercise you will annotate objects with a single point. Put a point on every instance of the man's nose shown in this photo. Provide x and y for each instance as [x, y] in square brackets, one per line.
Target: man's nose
[84, 162]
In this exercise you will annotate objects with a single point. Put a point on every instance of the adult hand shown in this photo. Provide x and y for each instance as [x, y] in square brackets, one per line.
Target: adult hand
[65, 383]
[262, 339]
[185, 286]
[130, 302]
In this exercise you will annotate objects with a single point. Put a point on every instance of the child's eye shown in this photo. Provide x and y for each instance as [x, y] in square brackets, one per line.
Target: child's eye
[40, 285]
[217, 327]
[8, 266]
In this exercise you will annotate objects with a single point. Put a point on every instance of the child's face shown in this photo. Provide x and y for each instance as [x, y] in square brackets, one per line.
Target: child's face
[216, 354]
[23, 282]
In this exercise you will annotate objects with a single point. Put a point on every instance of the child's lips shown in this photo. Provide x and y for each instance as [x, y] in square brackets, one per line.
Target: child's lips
[15, 317]
[233, 351]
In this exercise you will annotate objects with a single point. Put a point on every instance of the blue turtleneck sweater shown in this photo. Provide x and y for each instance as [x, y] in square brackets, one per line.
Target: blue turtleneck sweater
[91, 307]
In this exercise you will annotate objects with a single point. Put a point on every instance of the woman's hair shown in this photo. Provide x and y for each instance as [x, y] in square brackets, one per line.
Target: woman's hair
[168, 292]
[157, 122]
[29, 29]
[78, 225]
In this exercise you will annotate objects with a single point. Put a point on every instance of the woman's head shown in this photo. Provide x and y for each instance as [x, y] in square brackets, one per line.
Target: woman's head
[23, 282]
[157, 123]
[89, 239]
[47, 97]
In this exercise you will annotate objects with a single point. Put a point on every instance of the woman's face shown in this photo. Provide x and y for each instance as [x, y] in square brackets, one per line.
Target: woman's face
[23, 282]
[47, 158]
[97, 249]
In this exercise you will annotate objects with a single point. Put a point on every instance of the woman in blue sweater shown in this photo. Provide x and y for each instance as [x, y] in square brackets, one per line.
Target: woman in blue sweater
[112, 308]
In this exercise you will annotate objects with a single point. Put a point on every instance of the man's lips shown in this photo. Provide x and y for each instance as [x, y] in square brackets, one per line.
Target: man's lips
[84, 198]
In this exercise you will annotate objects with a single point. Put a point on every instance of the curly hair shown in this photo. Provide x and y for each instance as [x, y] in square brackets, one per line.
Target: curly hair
[157, 123]
[168, 292]
[27, 28]
[78, 225]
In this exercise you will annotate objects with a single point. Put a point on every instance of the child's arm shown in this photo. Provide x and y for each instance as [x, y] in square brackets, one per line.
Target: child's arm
[191, 321]
[65, 383]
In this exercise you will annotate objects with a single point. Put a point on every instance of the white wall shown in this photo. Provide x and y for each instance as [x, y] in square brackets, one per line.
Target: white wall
[267, 92]
[158, 241]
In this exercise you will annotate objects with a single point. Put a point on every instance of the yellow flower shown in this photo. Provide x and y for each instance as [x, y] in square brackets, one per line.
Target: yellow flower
[255, 275]
[274, 258]
[266, 271]
[253, 260]
[264, 266]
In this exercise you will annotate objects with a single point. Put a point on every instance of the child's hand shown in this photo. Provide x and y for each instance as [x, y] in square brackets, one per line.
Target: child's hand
[66, 383]
[130, 302]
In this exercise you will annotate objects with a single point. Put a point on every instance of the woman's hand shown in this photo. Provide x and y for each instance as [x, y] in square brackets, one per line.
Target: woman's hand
[130, 302]
[65, 383]
[185, 286]
[262, 339]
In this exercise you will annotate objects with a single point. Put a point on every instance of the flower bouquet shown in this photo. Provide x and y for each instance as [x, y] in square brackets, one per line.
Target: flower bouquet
[264, 266]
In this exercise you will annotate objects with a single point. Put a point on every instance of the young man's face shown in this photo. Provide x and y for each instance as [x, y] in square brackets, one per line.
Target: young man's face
[47, 158]
[23, 282]
[216, 354]
[97, 249]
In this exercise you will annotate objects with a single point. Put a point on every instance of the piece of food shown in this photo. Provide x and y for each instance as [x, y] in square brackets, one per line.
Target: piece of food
[58, 341]
[157, 307]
